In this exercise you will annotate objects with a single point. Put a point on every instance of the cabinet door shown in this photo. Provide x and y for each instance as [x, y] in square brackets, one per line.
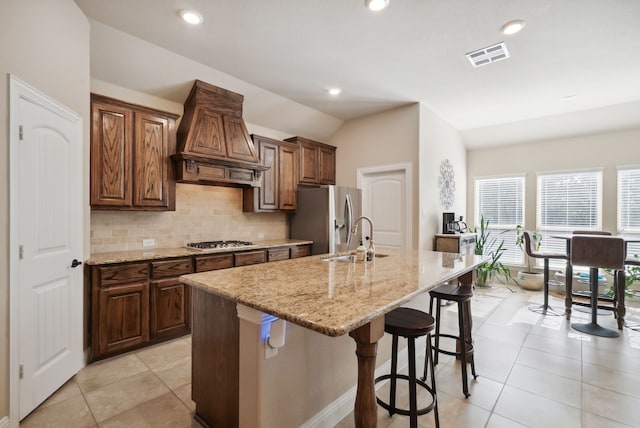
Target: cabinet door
[326, 165]
[308, 163]
[111, 154]
[151, 172]
[288, 178]
[170, 308]
[124, 318]
[269, 189]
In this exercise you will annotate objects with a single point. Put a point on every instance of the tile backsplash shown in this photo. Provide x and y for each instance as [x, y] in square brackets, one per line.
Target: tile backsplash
[203, 213]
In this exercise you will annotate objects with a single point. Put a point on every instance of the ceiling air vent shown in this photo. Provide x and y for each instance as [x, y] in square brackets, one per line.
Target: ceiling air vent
[488, 55]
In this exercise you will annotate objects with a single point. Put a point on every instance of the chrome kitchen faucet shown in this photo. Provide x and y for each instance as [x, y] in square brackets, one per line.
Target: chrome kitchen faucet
[354, 231]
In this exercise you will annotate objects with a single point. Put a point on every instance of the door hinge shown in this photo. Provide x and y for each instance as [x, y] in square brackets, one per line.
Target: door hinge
[21, 374]
[20, 133]
[21, 252]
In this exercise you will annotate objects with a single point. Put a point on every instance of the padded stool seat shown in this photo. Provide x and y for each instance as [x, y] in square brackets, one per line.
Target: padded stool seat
[411, 324]
[461, 294]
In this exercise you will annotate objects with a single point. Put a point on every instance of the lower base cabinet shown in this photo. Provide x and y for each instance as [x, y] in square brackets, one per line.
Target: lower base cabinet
[136, 304]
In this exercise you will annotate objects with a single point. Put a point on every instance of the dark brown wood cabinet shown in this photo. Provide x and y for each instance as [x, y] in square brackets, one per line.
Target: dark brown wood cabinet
[134, 304]
[250, 258]
[139, 303]
[123, 319]
[278, 185]
[130, 149]
[122, 294]
[317, 161]
[170, 300]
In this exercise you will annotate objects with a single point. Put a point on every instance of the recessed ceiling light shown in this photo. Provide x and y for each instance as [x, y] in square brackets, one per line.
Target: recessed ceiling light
[568, 98]
[191, 16]
[376, 5]
[334, 91]
[512, 27]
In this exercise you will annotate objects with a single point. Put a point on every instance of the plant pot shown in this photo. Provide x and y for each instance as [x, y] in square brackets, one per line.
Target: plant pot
[530, 280]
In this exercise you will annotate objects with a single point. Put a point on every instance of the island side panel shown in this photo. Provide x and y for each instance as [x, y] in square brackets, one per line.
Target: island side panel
[215, 359]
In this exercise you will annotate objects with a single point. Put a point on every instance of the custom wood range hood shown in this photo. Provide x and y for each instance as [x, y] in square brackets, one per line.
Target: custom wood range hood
[213, 144]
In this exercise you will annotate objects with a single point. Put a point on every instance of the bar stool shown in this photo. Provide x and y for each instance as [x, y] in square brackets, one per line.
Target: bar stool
[461, 294]
[599, 252]
[545, 308]
[409, 323]
[632, 261]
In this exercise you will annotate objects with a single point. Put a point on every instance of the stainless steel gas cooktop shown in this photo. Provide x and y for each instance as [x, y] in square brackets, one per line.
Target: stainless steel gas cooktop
[209, 245]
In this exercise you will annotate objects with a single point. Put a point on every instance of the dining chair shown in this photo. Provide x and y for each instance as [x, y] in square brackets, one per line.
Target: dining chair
[545, 308]
[595, 252]
[587, 294]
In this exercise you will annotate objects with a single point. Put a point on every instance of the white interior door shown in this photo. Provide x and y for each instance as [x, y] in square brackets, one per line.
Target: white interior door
[49, 234]
[386, 199]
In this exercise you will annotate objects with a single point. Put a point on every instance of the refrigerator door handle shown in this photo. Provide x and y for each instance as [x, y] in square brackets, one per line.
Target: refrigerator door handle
[349, 219]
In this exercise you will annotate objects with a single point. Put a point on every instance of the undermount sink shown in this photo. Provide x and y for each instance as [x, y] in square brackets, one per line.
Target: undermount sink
[344, 259]
[348, 258]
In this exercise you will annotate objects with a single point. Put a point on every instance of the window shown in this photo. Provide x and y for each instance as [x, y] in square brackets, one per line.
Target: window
[629, 205]
[501, 202]
[566, 202]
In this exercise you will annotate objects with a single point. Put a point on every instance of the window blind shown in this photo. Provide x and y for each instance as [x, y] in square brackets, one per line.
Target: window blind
[629, 206]
[567, 202]
[501, 202]
[629, 200]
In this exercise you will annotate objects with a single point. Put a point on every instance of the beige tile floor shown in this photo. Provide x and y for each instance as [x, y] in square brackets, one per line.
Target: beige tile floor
[533, 371]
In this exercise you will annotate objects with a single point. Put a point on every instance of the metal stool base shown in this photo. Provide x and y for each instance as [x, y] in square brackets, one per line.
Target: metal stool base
[595, 329]
[547, 310]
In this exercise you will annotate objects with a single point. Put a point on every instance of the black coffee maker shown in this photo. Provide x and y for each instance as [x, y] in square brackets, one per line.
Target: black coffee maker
[452, 225]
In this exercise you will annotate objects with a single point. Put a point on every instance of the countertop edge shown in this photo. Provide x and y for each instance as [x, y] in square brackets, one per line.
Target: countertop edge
[98, 259]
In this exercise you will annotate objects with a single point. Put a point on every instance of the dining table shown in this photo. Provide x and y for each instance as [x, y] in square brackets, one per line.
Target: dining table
[620, 309]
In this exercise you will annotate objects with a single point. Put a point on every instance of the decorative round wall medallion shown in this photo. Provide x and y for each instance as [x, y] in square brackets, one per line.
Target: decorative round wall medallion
[447, 184]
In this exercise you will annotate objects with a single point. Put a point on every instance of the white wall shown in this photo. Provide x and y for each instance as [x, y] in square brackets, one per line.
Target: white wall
[45, 44]
[606, 151]
[385, 138]
[438, 141]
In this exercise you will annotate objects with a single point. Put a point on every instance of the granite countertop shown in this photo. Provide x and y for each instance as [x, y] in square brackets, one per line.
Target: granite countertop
[334, 298]
[162, 253]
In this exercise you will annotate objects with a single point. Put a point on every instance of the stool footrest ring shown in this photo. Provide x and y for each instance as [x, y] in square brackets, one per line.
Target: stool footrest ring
[469, 346]
[405, 412]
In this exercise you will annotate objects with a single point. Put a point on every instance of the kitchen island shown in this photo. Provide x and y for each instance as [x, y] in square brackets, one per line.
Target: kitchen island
[329, 297]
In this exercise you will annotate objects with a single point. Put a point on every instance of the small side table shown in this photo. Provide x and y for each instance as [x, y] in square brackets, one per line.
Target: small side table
[464, 243]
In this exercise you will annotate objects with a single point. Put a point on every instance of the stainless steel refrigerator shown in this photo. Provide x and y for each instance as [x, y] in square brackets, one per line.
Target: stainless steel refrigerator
[325, 215]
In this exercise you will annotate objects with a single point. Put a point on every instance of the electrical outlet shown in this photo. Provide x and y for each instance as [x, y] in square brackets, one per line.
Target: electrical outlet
[260, 235]
[148, 242]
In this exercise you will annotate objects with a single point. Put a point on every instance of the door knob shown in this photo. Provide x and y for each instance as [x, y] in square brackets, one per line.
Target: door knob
[75, 263]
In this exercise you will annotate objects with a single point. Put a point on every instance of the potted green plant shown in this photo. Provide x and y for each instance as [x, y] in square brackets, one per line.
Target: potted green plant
[493, 266]
[529, 279]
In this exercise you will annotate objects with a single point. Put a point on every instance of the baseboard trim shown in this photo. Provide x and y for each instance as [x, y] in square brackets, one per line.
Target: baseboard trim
[4, 422]
[339, 408]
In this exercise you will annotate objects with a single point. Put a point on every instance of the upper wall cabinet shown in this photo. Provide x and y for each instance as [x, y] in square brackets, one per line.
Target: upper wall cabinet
[278, 185]
[130, 149]
[317, 161]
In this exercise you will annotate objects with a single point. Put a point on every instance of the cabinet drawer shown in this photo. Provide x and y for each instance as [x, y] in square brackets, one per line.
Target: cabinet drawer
[275, 254]
[300, 251]
[250, 258]
[171, 268]
[220, 261]
[122, 274]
